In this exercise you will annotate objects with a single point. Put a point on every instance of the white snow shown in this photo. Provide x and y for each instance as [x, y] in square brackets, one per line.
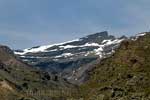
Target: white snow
[64, 55]
[68, 46]
[19, 53]
[85, 45]
[32, 57]
[87, 54]
[55, 59]
[104, 41]
[137, 36]
[42, 48]
[22, 56]
[98, 51]
[141, 34]
[116, 41]
[52, 50]
[26, 60]
[91, 44]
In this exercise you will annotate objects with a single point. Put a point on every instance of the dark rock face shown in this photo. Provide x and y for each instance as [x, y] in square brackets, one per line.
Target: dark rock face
[65, 58]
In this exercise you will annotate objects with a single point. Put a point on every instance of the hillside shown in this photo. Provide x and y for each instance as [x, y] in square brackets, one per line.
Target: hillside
[19, 81]
[123, 76]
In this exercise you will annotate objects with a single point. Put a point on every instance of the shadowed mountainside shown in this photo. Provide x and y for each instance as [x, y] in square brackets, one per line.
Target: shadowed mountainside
[18, 79]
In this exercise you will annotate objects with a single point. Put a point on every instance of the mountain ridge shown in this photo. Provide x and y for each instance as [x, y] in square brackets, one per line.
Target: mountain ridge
[67, 57]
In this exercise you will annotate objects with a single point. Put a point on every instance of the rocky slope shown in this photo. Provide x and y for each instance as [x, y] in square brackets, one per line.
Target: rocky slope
[123, 76]
[71, 58]
[19, 81]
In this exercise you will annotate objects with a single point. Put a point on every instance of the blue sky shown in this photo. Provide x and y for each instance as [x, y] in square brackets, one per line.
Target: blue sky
[27, 23]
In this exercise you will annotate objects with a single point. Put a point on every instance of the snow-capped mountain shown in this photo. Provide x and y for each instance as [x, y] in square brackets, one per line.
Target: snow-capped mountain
[72, 55]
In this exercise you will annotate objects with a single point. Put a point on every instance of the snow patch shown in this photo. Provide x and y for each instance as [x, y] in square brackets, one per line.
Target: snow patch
[64, 55]
[141, 34]
[68, 46]
[137, 36]
[42, 48]
[80, 46]
[100, 50]
[104, 41]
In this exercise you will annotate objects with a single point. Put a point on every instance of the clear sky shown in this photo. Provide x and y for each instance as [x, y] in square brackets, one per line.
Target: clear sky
[27, 23]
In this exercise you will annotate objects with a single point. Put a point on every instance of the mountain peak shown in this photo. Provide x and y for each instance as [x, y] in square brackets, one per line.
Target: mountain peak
[103, 34]
[97, 35]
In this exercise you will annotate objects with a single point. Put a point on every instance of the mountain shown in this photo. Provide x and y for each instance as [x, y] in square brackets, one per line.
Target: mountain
[123, 76]
[120, 75]
[71, 57]
[19, 81]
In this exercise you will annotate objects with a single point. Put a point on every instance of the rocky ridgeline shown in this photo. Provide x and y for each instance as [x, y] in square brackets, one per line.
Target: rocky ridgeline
[69, 58]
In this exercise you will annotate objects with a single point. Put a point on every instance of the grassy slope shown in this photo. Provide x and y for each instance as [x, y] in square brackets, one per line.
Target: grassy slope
[124, 76]
[16, 78]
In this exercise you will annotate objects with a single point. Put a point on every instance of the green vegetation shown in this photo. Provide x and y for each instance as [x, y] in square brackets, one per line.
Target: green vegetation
[19, 81]
[123, 76]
